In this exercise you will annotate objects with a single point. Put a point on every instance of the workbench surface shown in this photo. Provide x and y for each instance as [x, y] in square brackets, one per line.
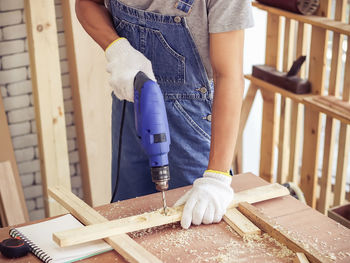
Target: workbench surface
[218, 242]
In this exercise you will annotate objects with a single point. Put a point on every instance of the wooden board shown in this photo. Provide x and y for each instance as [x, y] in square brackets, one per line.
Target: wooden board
[218, 242]
[148, 220]
[10, 198]
[48, 98]
[7, 154]
[242, 225]
[123, 244]
[282, 236]
[92, 108]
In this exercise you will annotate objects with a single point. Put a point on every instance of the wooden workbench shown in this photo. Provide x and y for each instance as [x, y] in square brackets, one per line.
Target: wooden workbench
[217, 243]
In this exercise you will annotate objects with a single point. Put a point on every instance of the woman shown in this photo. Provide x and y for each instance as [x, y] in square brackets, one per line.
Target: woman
[188, 47]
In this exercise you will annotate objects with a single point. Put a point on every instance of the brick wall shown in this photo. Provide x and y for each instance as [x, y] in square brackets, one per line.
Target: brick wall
[16, 91]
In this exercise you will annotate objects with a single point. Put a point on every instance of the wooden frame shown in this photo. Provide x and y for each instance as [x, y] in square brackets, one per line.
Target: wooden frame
[152, 219]
[48, 98]
[314, 104]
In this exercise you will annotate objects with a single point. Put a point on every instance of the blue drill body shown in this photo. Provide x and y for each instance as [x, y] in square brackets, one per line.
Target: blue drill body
[152, 127]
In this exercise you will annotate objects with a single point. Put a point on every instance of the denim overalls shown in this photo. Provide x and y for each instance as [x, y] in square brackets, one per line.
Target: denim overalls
[166, 41]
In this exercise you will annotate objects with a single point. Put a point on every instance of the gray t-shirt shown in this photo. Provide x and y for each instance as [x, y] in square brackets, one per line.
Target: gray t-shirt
[207, 16]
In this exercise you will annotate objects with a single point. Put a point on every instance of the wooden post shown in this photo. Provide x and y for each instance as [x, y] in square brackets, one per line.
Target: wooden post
[47, 91]
[285, 113]
[268, 130]
[92, 108]
[312, 124]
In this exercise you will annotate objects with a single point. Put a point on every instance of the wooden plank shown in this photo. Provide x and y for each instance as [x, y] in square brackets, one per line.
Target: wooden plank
[301, 258]
[334, 83]
[7, 154]
[317, 21]
[10, 197]
[123, 244]
[312, 124]
[48, 99]
[152, 219]
[242, 225]
[285, 107]
[268, 130]
[245, 111]
[279, 234]
[89, 81]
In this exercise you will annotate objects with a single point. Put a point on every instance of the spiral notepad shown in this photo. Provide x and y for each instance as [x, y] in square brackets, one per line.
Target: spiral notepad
[39, 238]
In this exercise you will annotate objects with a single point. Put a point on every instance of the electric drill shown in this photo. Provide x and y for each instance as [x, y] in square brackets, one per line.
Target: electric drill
[153, 129]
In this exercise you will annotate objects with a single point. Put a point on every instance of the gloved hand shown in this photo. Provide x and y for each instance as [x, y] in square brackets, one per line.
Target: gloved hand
[124, 62]
[208, 199]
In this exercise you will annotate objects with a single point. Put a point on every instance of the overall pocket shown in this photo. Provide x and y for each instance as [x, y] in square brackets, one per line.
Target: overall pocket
[168, 64]
[195, 119]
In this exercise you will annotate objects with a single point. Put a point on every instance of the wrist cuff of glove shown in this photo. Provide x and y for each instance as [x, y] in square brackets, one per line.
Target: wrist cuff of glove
[222, 176]
[114, 47]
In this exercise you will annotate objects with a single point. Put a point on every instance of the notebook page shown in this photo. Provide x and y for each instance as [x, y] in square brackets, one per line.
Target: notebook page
[41, 235]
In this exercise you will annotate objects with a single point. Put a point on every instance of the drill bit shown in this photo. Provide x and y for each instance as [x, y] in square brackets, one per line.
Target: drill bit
[164, 202]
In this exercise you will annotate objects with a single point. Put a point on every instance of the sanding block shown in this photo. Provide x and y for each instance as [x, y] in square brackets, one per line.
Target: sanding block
[288, 81]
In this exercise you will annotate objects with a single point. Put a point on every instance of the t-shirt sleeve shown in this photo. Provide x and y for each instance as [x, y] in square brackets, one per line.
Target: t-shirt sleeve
[228, 15]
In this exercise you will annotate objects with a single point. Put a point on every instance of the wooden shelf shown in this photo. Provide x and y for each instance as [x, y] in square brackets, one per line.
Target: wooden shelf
[328, 105]
[322, 22]
[267, 86]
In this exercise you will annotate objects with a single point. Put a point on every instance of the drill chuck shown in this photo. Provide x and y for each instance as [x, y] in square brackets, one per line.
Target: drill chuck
[161, 177]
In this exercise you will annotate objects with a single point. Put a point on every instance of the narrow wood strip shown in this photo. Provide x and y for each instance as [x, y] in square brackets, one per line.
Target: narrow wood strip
[269, 118]
[301, 258]
[242, 225]
[285, 112]
[261, 221]
[123, 244]
[152, 219]
[303, 41]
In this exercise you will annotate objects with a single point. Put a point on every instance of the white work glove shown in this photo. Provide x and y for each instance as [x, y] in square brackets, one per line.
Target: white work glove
[124, 62]
[208, 199]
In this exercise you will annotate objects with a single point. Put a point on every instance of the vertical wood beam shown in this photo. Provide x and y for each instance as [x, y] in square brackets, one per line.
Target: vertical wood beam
[269, 127]
[7, 154]
[296, 113]
[312, 123]
[285, 113]
[48, 98]
[334, 83]
[88, 77]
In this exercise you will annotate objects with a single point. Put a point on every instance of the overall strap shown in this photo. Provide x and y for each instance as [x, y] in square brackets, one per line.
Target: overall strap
[184, 5]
